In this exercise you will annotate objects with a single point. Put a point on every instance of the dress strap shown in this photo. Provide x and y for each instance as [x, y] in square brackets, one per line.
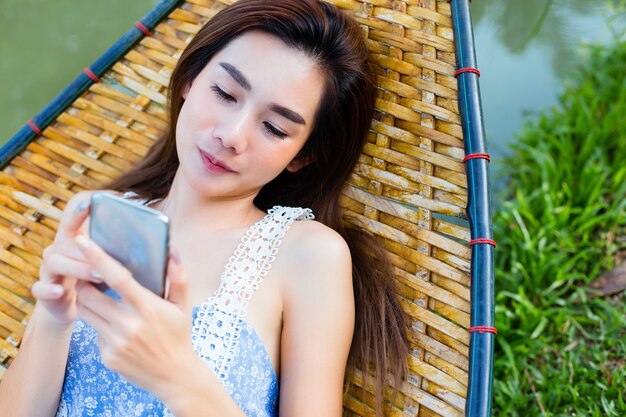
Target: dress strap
[220, 319]
[254, 256]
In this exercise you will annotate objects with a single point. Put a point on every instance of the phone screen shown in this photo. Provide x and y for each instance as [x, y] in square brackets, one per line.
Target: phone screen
[135, 235]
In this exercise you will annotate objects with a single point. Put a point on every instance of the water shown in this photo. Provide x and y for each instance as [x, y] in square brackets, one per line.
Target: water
[523, 48]
[45, 44]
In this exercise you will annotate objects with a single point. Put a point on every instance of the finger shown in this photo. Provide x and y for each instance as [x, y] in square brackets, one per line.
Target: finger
[46, 291]
[111, 271]
[178, 283]
[97, 302]
[72, 220]
[58, 265]
[94, 319]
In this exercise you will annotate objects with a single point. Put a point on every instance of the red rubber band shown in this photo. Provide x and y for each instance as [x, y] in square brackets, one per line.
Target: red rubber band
[477, 156]
[34, 127]
[142, 28]
[91, 75]
[482, 240]
[483, 329]
[462, 70]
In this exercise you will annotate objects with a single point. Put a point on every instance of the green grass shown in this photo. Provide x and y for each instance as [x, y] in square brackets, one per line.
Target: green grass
[563, 224]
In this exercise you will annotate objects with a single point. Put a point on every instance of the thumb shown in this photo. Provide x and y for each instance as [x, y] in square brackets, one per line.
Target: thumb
[73, 219]
[178, 284]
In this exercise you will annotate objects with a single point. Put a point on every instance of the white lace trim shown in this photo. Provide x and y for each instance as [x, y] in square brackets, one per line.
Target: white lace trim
[219, 320]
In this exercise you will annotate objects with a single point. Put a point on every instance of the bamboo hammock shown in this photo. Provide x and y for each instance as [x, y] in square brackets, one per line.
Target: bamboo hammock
[410, 187]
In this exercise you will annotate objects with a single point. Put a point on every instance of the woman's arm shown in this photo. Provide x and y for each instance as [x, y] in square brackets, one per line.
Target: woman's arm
[32, 385]
[318, 322]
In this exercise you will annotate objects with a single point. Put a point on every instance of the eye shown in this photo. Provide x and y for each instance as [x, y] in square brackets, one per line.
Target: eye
[269, 128]
[222, 95]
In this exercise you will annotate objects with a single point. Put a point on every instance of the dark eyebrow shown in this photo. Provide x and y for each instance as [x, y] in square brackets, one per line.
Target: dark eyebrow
[237, 75]
[288, 114]
[243, 82]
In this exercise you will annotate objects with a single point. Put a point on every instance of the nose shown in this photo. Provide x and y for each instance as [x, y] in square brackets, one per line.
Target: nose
[234, 130]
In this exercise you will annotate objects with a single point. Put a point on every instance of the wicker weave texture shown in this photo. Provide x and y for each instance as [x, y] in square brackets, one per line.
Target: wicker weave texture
[409, 181]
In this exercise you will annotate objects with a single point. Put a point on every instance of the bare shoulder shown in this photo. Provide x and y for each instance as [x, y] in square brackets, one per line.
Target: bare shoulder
[313, 234]
[315, 260]
[311, 244]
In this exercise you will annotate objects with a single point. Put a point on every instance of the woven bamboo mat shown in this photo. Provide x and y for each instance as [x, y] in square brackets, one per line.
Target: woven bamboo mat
[409, 183]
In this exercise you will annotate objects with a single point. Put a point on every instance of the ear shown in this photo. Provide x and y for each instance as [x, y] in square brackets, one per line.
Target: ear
[297, 164]
[186, 91]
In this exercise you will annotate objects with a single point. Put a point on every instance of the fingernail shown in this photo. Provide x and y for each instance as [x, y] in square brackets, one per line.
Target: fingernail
[56, 291]
[82, 242]
[83, 206]
[97, 276]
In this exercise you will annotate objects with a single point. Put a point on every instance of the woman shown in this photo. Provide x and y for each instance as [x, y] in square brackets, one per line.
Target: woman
[269, 104]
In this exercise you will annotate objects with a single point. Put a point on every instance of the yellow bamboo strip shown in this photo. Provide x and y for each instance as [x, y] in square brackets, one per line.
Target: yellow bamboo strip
[11, 324]
[9, 236]
[419, 201]
[426, 14]
[119, 108]
[15, 301]
[24, 222]
[16, 283]
[440, 350]
[40, 184]
[40, 206]
[151, 75]
[442, 393]
[153, 42]
[80, 157]
[137, 56]
[141, 89]
[452, 229]
[118, 127]
[186, 16]
[205, 12]
[455, 372]
[434, 291]
[409, 135]
[168, 37]
[17, 262]
[161, 58]
[436, 375]
[459, 317]
[441, 324]
[111, 93]
[7, 350]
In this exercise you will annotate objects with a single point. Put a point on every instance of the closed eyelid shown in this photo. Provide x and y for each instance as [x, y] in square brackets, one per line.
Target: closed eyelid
[287, 114]
[236, 75]
[245, 84]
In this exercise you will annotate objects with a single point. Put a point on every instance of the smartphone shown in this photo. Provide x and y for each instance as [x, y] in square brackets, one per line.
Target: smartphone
[136, 235]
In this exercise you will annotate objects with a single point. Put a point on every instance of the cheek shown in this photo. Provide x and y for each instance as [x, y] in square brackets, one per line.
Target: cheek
[195, 115]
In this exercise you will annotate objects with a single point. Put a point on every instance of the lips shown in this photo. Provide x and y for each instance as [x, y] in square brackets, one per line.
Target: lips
[214, 164]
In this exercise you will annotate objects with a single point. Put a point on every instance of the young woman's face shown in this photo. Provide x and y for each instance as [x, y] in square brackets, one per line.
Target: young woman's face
[246, 116]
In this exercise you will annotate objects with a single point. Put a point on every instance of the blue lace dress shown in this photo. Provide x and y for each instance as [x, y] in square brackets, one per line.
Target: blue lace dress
[221, 336]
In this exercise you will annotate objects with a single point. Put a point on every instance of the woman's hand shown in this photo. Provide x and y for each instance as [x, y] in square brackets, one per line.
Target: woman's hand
[64, 263]
[141, 336]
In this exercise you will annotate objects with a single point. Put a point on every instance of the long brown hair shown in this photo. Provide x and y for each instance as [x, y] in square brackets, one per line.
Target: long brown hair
[335, 42]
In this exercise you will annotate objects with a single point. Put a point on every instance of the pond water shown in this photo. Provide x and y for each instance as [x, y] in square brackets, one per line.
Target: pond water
[523, 48]
[45, 44]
